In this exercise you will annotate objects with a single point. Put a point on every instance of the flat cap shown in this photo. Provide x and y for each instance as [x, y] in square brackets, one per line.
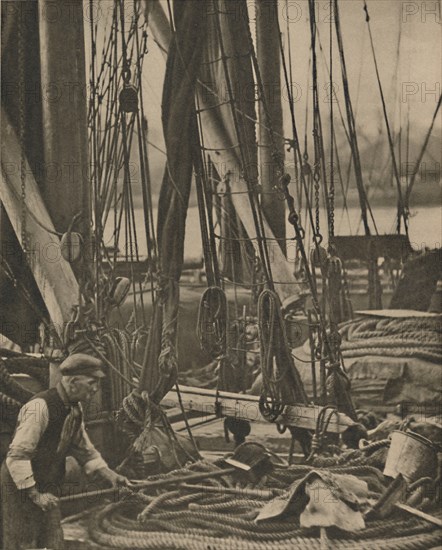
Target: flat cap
[81, 363]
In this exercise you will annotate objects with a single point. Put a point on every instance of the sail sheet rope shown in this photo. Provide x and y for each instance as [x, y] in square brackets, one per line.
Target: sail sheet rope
[401, 207]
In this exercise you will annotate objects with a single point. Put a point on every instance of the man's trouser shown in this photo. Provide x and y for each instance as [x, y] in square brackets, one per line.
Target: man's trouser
[25, 525]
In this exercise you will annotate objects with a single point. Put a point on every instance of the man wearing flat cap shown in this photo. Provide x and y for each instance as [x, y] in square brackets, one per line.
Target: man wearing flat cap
[49, 428]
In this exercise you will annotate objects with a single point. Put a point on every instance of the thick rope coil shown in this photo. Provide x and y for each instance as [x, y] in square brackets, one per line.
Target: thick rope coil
[34, 367]
[408, 337]
[188, 530]
[212, 322]
[281, 379]
[11, 387]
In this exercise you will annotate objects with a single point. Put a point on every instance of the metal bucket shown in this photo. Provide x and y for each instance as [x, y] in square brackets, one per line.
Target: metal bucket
[411, 455]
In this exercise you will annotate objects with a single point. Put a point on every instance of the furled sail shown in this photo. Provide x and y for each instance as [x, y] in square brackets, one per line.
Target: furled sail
[220, 137]
[178, 115]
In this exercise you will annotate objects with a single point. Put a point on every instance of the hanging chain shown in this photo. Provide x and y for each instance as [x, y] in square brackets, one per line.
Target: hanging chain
[331, 202]
[331, 199]
[316, 180]
[22, 123]
[127, 75]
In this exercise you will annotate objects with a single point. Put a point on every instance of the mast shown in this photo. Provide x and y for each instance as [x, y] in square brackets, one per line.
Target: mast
[63, 77]
[267, 49]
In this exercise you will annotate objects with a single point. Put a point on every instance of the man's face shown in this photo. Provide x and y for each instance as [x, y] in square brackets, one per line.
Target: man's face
[84, 387]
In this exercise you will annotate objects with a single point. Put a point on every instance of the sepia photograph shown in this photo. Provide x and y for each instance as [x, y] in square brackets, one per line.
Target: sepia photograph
[221, 275]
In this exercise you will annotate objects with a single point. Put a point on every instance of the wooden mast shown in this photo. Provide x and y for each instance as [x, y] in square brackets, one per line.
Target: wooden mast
[267, 50]
[63, 80]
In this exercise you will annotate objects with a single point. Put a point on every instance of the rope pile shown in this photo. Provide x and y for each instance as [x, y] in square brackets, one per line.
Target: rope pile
[406, 337]
[155, 446]
[280, 377]
[222, 516]
[13, 395]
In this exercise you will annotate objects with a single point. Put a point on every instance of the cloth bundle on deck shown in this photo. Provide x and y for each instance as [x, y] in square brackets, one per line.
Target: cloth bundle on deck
[337, 498]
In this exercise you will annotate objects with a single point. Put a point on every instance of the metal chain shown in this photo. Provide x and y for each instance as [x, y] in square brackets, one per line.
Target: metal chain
[316, 179]
[22, 125]
[331, 202]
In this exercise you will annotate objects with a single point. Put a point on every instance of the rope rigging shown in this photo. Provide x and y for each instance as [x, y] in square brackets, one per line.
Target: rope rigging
[401, 208]
[352, 126]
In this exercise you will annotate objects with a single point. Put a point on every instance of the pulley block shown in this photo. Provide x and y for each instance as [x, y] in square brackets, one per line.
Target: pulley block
[318, 256]
[119, 291]
[71, 243]
[129, 99]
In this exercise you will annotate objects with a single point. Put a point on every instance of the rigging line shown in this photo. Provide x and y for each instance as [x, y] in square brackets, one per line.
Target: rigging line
[206, 193]
[407, 155]
[116, 164]
[146, 188]
[289, 47]
[351, 124]
[294, 220]
[123, 197]
[334, 95]
[307, 99]
[142, 172]
[401, 207]
[331, 230]
[400, 102]
[109, 142]
[341, 182]
[108, 363]
[418, 162]
[347, 135]
[317, 124]
[208, 252]
[156, 147]
[119, 156]
[239, 111]
[295, 139]
[94, 174]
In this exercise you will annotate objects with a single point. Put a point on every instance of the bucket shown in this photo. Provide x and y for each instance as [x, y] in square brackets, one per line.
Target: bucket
[411, 455]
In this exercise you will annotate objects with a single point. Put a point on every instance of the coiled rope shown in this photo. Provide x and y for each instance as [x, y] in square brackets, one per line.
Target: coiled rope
[229, 524]
[212, 321]
[409, 337]
[281, 380]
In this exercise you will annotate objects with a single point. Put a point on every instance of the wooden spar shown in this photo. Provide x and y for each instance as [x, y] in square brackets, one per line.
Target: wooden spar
[246, 407]
[267, 51]
[63, 77]
[53, 275]
[282, 270]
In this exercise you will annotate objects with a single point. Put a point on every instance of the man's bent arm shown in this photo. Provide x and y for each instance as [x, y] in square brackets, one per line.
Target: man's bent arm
[31, 424]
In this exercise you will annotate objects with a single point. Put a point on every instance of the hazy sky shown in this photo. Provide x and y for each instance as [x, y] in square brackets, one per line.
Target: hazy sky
[411, 81]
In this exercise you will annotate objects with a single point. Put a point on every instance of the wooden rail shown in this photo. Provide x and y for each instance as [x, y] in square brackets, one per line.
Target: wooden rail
[246, 407]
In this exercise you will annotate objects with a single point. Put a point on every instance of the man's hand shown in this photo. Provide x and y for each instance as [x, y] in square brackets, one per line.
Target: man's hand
[45, 501]
[114, 479]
